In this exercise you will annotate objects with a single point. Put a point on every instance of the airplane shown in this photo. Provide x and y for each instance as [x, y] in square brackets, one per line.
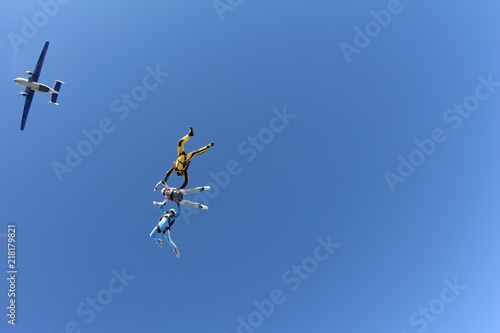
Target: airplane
[33, 85]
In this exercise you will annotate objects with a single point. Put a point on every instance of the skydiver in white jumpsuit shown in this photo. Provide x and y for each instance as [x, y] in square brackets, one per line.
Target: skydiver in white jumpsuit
[177, 195]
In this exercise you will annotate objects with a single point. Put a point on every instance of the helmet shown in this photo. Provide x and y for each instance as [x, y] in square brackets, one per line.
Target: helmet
[163, 190]
[172, 211]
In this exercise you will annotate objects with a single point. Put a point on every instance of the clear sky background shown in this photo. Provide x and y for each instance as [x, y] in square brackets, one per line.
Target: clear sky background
[316, 177]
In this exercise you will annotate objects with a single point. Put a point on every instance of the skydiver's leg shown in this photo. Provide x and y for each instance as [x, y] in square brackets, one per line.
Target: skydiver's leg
[196, 189]
[154, 235]
[180, 145]
[176, 250]
[198, 152]
[186, 179]
[169, 239]
[193, 204]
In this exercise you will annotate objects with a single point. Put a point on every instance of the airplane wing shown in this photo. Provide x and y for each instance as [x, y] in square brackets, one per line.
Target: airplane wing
[38, 67]
[33, 78]
[27, 104]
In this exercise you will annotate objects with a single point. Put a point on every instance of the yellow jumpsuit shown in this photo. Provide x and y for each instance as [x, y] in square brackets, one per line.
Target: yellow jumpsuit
[182, 163]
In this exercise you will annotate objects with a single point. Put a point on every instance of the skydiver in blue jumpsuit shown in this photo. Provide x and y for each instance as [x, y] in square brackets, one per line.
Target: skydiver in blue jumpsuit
[166, 222]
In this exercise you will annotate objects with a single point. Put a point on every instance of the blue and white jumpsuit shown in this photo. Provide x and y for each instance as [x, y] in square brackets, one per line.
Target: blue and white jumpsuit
[166, 222]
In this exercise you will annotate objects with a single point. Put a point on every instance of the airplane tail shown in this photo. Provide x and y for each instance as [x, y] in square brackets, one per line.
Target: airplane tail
[53, 97]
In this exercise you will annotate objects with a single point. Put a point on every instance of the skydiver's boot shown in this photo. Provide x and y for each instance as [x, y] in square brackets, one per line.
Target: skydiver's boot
[177, 254]
[191, 133]
[159, 243]
[211, 144]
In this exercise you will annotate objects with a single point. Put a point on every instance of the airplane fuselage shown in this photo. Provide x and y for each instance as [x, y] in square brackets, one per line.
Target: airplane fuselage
[34, 85]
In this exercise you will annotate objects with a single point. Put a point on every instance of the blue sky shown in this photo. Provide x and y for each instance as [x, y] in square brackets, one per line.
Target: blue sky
[304, 232]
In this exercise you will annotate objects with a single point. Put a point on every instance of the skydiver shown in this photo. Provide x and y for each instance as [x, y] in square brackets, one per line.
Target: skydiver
[181, 165]
[166, 222]
[177, 195]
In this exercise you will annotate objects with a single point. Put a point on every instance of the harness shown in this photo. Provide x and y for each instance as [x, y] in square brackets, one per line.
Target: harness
[185, 164]
[170, 224]
[174, 195]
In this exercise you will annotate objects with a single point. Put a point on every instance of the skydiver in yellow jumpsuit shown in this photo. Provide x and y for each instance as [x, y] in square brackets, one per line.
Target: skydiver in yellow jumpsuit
[181, 165]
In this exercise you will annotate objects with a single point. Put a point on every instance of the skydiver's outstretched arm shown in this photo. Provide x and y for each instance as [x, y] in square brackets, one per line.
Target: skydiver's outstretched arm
[178, 211]
[164, 181]
[169, 172]
[161, 204]
[186, 179]
[158, 184]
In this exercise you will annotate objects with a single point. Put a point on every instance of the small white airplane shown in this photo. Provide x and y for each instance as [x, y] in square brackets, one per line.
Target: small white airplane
[37, 86]
[31, 84]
